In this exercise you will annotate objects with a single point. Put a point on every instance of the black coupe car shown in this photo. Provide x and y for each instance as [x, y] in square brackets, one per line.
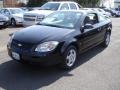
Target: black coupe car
[60, 37]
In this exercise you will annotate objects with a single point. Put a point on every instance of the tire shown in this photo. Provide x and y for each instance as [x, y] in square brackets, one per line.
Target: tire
[106, 39]
[13, 22]
[70, 58]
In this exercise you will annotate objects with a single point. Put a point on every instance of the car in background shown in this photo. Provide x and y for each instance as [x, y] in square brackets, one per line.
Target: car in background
[116, 12]
[4, 21]
[102, 11]
[60, 37]
[39, 13]
[15, 15]
[26, 9]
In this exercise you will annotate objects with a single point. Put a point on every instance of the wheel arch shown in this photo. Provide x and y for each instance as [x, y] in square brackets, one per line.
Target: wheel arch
[69, 43]
[109, 29]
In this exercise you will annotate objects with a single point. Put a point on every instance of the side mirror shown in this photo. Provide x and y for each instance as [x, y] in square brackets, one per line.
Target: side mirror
[88, 26]
[10, 34]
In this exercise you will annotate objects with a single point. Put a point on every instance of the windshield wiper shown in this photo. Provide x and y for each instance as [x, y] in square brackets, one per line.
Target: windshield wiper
[52, 25]
[44, 9]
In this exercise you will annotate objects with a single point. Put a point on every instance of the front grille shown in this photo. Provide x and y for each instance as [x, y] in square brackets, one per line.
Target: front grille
[29, 17]
[25, 46]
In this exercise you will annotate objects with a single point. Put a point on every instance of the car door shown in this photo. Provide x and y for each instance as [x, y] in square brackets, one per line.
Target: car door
[103, 26]
[89, 36]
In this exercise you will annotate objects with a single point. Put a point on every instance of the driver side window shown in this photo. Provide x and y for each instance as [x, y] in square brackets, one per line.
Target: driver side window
[91, 19]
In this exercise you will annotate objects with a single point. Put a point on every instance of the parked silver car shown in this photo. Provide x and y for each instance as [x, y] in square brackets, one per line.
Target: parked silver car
[4, 21]
[15, 15]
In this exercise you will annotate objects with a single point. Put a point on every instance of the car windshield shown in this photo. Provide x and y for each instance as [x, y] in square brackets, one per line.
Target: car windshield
[50, 6]
[16, 11]
[62, 19]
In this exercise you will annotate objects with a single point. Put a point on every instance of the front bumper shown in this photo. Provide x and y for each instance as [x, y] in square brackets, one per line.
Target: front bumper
[19, 22]
[4, 23]
[37, 58]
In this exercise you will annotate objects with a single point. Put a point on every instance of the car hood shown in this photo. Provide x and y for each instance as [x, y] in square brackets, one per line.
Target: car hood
[1, 15]
[37, 34]
[39, 12]
[18, 15]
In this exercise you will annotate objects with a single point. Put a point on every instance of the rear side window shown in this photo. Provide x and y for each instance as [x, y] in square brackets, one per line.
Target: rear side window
[64, 7]
[73, 6]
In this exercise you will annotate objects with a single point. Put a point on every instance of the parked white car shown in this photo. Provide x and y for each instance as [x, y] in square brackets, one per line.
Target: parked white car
[35, 16]
[99, 10]
[116, 12]
[15, 15]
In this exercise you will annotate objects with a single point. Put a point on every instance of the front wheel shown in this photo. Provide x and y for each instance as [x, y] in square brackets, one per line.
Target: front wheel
[70, 57]
[106, 39]
[13, 22]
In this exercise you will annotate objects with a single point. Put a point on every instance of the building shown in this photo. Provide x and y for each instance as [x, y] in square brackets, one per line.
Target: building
[107, 3]
[1, 3]
[117, 4]
[11, 3]
[110, 3]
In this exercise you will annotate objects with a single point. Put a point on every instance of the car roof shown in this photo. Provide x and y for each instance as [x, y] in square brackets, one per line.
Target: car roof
[61, 2]
[84, 11]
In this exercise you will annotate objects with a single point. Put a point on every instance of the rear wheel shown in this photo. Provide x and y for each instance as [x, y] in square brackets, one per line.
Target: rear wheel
[70, 57]
[106, 39]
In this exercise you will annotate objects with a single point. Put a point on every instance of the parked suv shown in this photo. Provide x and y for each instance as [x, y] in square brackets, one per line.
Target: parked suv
[35, 16]
[15, 15]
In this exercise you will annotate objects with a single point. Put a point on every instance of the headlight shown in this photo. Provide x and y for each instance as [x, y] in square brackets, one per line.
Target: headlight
[39, 18]
[47, 46]
[10, 41]
[6, 18]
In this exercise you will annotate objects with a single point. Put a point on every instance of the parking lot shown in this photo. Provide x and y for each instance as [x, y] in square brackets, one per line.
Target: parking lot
[97, 69]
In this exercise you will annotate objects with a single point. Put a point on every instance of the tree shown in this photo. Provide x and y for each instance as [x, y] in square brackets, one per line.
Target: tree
[88, 3]
[35, 3]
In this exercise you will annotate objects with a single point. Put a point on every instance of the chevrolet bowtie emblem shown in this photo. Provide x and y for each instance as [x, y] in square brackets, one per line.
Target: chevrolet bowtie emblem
[19, 45]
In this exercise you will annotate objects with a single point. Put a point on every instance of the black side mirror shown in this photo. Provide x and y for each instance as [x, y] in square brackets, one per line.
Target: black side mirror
[10, 34]
[88, 26]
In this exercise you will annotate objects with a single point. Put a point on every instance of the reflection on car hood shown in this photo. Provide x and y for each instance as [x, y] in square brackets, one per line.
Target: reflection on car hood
[37, 33]
[2, 16]
[18, 15]
[39, 12]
